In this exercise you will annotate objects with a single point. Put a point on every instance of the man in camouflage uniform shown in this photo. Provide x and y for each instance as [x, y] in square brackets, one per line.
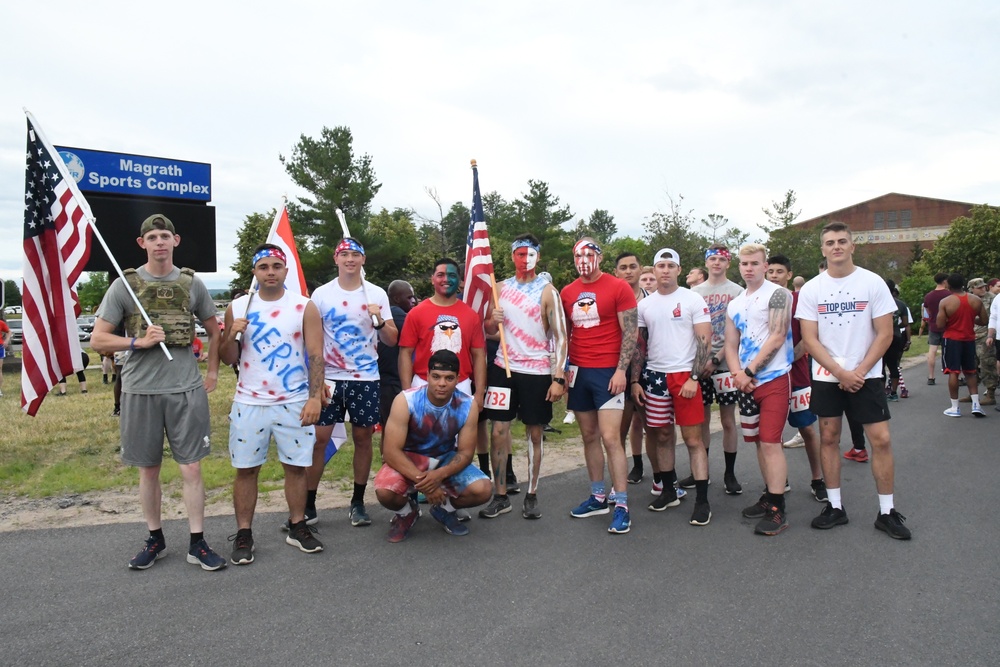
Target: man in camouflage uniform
[986, 354]
[160, 395]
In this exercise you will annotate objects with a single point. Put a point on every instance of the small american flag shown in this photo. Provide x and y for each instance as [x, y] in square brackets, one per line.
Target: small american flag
[56, 248]
[478, 259]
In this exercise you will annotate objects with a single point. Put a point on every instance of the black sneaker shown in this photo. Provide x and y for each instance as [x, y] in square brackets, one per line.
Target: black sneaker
[733, 487]
[530, 509]
[301, 536]
[498, 505]
[892, 523]
[688, 482]
[663, 501]
[312, 516]
[117, 412]
[819, 490]
[513, 487]
[151, 552]
[635, 475]
[774, 521]
[242, 548]
[930, 381]
[702, 514]
[358, 515]
[757, 510]
[830, 517]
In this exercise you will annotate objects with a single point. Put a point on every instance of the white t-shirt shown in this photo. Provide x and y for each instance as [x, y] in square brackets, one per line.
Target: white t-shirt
[718, 298]
[843, 309]
[669, 320]
[750, 314]
[273, 359]
[349, 339]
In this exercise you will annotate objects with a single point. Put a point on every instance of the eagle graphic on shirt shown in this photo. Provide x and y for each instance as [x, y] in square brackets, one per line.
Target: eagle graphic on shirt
[585, 313]
[447, 334]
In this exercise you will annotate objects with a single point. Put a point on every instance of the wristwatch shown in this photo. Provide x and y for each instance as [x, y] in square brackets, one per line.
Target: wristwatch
[694, 376]
[749, 373]
[716, 361]
[561, 381]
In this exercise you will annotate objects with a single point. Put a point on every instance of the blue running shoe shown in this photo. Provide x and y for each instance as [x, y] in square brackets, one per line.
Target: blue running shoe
[449, 520]
[590, 507]
[620, 522]
[201, 554]
[151, 552]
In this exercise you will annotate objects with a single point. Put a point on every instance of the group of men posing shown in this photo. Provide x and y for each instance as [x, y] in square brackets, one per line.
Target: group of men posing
[667, 354]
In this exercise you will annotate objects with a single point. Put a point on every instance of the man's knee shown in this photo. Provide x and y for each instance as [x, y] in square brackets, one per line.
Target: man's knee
[500, 430]
[477, 493]
[244, 474]
[390, 499]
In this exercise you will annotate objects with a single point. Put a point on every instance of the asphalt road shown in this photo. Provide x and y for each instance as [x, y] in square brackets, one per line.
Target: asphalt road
[558, 591]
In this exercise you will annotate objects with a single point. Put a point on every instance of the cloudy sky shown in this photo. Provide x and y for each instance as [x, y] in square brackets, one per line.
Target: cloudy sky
[729, 104]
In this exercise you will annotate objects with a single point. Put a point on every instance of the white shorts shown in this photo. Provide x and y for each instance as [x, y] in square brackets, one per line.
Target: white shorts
[251, 428]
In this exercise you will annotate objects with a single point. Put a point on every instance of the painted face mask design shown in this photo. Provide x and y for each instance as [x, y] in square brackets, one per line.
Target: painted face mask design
[525, 259]
[585, 256]
[449, 283]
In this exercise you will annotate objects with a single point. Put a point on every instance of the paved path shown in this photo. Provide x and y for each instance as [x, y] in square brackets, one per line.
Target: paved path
[559, 591]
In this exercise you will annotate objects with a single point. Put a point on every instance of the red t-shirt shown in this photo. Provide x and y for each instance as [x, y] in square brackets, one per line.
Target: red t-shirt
[429, 328]
[932, 301]
[595, 337]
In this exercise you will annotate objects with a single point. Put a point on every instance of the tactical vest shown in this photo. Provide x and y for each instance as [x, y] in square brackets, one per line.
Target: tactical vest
[168, 305]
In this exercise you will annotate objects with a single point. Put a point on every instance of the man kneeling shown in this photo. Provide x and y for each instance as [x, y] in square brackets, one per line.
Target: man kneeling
[420, 451]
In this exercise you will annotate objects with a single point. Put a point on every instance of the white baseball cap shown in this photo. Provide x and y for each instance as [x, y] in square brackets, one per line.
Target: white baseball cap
[667, 254]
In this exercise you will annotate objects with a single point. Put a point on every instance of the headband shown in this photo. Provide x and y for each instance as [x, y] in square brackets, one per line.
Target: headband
[269, 252]
[588, 244]
[524, 243]
[348, 244]
[722, 252]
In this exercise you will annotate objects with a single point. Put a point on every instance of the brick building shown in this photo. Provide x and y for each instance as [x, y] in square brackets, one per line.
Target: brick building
[894, 224]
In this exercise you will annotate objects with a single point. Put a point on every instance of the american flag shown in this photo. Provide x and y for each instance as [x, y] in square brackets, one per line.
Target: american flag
[478, 259]
[56, 248]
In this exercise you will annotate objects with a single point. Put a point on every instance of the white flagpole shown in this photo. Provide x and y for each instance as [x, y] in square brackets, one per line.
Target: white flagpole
[364, 290]
[88, 214]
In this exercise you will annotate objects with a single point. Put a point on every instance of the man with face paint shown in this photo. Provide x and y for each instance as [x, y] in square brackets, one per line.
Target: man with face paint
[601, 319]
[627, 268]
[530, 312]
[716, 386]
[444, 322]
[347, 305]
[674, 348]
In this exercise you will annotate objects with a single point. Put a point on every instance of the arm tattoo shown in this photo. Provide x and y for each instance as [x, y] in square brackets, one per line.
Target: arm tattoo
[703, 353]
[316, 377]
[777, 323]
[629, 325]
[639, 356]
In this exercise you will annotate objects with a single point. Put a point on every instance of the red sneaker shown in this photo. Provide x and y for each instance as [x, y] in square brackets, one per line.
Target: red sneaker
[859, 455]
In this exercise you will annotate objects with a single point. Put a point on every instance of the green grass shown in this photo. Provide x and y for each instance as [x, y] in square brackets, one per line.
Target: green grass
[72, 445]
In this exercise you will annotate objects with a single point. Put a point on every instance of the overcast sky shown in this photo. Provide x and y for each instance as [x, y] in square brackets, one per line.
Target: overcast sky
[729, 104]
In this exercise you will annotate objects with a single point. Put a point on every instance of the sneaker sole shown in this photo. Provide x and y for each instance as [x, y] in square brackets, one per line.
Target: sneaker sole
[531, 515]
[483, 514]
[619, 531]
[949, 413]
[313, 521]
[653, 508]
[734, 492]
[694, 522]
[828, 526]
[771, 531]
[978, 414]
[149, 565]
[194, 561]
[824, 499]
[634, 481]
[890, 534]
[604, 510]
[243, 561]
[359, 522]
[295, 543]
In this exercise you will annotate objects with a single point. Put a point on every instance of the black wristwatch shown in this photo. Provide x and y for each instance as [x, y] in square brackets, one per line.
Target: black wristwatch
[716, 361]
[561, 381]
[749, 373]
[694, 376]
[380, 326]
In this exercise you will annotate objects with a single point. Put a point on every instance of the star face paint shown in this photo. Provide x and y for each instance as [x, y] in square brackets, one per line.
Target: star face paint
[446, 280]
[586, 255]
[525, 260]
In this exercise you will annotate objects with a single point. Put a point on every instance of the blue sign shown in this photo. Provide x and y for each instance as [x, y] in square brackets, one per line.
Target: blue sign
[138, 175]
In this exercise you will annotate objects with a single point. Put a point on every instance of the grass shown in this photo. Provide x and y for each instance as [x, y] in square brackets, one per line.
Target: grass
[71, 445]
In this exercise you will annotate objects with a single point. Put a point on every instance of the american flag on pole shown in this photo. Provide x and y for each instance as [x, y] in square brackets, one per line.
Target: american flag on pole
[56, 248]
[478, 259]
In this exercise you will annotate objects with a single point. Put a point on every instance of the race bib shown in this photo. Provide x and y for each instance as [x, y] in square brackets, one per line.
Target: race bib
[571, 376]
[820, 374]
[497, 398]
[799, 400]
[723, 383]
[331, 385]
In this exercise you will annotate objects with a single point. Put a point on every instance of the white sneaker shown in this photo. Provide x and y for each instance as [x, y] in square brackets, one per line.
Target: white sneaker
[977, 411]
[570, 418]
[953, 412]
[657, 488]
[797, 441]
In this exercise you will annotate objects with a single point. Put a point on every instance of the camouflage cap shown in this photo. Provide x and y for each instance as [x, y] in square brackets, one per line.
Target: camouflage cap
[976, 282]
[150, 223]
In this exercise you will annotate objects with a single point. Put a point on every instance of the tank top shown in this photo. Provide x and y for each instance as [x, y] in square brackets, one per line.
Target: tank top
[273, 362]
[433, 429]
[960, 323]
[527, 343]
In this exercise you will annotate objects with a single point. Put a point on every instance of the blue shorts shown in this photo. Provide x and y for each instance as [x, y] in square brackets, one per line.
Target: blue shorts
[388, 478]
[359, 397]
[802, 418]
[958, 356]
[251, 428]
[590, 391]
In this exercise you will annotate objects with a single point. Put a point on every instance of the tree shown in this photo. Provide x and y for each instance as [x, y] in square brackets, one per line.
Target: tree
[971, 246]
[447, 233]
[714, 222]
[781, 214]
[675, 229]
[800, 244]
[913, 287]
[327, 169]
[248, 237]
[601, 226]
[12, 295]
[91, 291]
[392, 251]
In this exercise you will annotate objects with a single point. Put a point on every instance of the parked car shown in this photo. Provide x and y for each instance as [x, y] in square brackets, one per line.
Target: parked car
[199, 330]
[12, 310]
[16, 332]
[84, 335]
[86, 323]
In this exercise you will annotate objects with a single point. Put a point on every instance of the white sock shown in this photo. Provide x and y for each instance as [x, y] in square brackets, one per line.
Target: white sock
[975, 400]
[448, 507]
[833, 495]
[954, 404]
[885, 502]
[405, 511]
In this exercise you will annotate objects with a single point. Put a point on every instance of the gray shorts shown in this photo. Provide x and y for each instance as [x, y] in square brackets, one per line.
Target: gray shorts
[934, 337]
[146, 417]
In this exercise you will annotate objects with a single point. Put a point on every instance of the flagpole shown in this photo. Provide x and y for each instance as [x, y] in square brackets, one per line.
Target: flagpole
[253, 276]
[364, 290]
[503, 336]
[88, 214]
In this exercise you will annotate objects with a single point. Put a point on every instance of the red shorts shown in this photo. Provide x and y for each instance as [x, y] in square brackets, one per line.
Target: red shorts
[665, 388]
[763, 412]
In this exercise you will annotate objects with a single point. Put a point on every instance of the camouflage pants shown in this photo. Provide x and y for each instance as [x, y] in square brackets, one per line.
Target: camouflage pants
[987, 363]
